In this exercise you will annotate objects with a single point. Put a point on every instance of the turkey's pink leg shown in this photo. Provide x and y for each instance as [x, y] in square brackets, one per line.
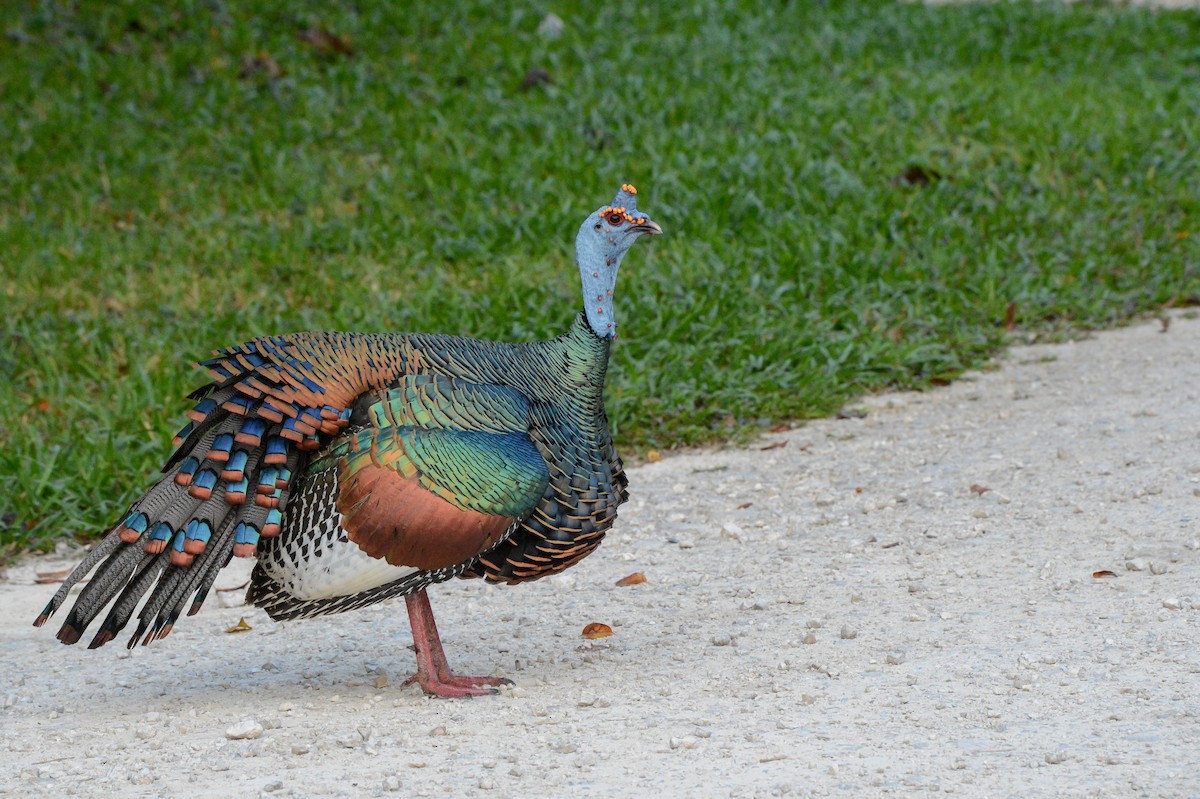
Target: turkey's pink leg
[433, 672]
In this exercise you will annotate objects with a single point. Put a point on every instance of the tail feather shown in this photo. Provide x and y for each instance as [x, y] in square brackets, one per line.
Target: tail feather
[127, 602]
[101, 551]
[178, 584]
[112, 575]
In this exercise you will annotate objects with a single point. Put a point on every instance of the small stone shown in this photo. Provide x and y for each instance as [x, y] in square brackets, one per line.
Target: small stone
[807, 699]
[245, 729]
[1158, 567]
[809, 638]
[381, 680]
[486, 784]
[349, 740]
[1136, 564]
[1056, 757]
[895, 658]
[721, 640]
[273, 785]
[686, 742]
[438, 732]
[813, 624]
[1172, 603]
[848, 633]
[391, 783]
[300, 749]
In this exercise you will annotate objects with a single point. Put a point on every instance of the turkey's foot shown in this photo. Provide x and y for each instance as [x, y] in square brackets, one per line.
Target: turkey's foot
[433, 671]
[454, 685]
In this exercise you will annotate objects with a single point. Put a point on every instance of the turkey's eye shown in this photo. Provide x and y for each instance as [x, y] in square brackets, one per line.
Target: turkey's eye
[615, 219]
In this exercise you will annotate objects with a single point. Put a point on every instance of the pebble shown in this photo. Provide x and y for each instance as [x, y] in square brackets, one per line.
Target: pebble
[244, 730]
[721, 640]
[1056, 757]
[686, 742]
[810, 638]
[391, 783]
[273, 785]
[1172, 603]
[301, 749]
[1136, 564]
[349, 740]
[895, 658]
[848, 633]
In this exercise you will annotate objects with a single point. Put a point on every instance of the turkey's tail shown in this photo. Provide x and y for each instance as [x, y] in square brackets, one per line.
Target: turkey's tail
[225, 486]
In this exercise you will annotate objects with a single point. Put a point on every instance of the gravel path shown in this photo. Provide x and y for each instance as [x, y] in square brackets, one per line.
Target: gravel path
[838, 610]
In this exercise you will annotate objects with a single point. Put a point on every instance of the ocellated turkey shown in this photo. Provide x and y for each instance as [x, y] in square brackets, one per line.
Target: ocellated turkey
[359, 467]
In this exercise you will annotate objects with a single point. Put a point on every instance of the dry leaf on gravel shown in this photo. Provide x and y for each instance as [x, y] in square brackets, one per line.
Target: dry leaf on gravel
[597, 630]
[240, 627]
[43, 578]
[636, 578]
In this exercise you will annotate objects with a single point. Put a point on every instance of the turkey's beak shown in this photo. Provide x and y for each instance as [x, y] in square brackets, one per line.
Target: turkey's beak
[650, 228]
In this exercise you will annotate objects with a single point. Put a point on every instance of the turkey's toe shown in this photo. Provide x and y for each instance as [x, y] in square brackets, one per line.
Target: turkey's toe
[453, 685]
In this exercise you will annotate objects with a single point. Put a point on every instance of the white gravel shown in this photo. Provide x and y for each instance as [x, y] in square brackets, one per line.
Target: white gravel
[869, 624]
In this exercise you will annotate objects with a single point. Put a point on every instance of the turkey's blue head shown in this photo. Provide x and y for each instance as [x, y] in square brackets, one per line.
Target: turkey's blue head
[604, 238]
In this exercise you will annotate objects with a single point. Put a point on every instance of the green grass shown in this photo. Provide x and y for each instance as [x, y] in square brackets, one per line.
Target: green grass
[163, 194]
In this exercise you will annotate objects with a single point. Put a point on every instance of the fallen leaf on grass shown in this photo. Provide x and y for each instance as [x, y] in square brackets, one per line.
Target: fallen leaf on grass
[976, 488]
[326, 42]
[260, 64]
[1104, 573]
[597, 630]
[776, 445]
[917, 175]
[654, 456]
[240, 627]
[535, 77]
[637, 578]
